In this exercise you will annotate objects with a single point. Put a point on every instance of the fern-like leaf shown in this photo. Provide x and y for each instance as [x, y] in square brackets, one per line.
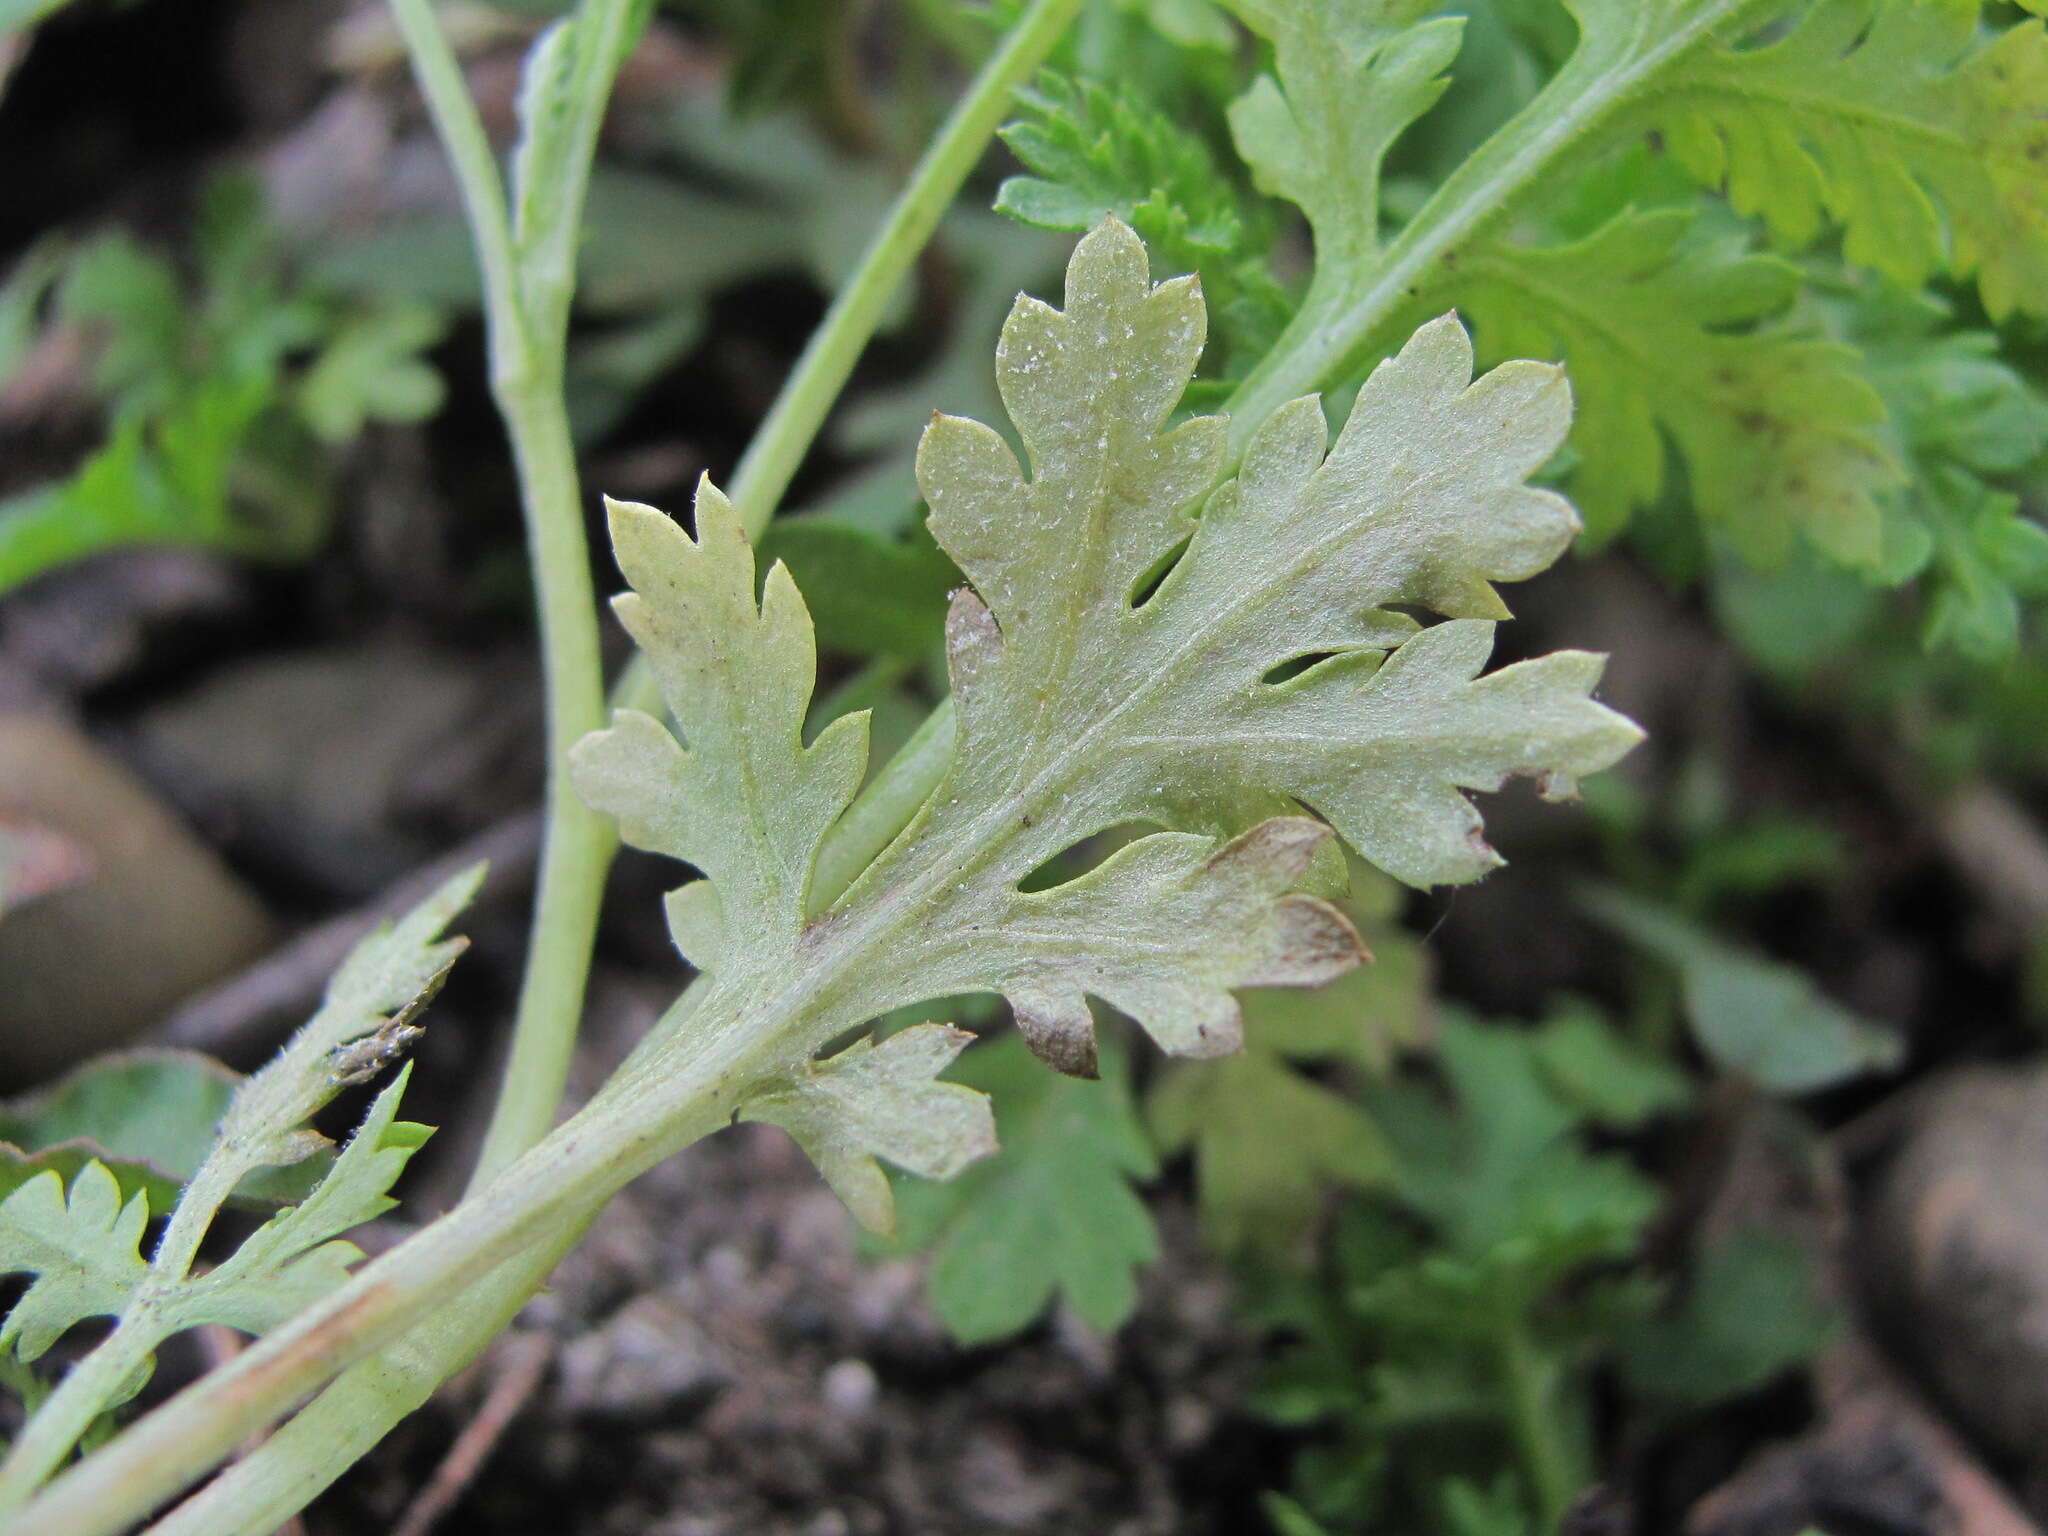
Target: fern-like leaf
[1781, 429]
[1891, 118]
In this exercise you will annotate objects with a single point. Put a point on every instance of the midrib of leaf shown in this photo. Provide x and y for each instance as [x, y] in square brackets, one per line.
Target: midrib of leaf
[1807, 106]
[1581, 98]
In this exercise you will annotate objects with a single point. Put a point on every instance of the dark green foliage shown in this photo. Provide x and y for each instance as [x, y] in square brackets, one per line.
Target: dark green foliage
[1095, 151]
[1443, 1341]
[222, 395]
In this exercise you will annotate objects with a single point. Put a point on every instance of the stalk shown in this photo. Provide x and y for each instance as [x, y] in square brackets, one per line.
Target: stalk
[528, 282]
[792, 423]
[1340, 323]
[355, 1412]
[1533, 1423]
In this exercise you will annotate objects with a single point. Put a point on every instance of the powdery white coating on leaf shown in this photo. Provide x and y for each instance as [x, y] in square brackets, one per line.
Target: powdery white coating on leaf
[743, 798]
[1081, 708]
[883, 1101]
[1160, 711]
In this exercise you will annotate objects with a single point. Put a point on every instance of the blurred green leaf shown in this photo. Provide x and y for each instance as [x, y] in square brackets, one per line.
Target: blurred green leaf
[1052, 1213]
[1268, 1136]
[149, 1116]
[869, 595]
[1748, 1314]
[1752, 1016]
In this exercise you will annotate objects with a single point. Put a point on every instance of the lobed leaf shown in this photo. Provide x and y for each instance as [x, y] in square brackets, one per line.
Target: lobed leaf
[746, 801]
[297, 1256]
[1781, 430]
[1266, 1135]
[1053, 1215]
[884, 1101]
[1346, 81]
[1110, 665]
[80, 1244]
[1891, 118]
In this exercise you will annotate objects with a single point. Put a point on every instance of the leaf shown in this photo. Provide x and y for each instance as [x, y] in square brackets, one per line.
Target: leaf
[79, 1244]
[1162, 930]
[1502, 1178]
[297, 1256]
[873, 596]
[1266, 1136]
[1602, 1076]
[1269, 1140]
[148, 1117]
[371, 370]
[746, 801]
[1891, 118]
[1096, 688]
[562, 88]
[1749, 1315]
[1781, 429]
[1347, 80]
[1098, 152]
[1163, 703]
[1053, 1214]
[1457, 1302]
[82, 1248]
[885, 1101]
[365, 1022]
[1752, 1016]
[1962, 414]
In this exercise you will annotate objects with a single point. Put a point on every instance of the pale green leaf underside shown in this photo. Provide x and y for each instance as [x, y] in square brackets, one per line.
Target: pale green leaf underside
[884, 1101]
[81, 1247]
[745, 801]
[1081, 706]
[1160, 712]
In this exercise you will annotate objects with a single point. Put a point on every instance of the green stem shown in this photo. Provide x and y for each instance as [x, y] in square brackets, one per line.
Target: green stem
[468, 146]
[577, 844]
[884, 807]
[353, 1413]
[1527, 1383]
[529, 275]
[792, 424]
[1331, 334]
